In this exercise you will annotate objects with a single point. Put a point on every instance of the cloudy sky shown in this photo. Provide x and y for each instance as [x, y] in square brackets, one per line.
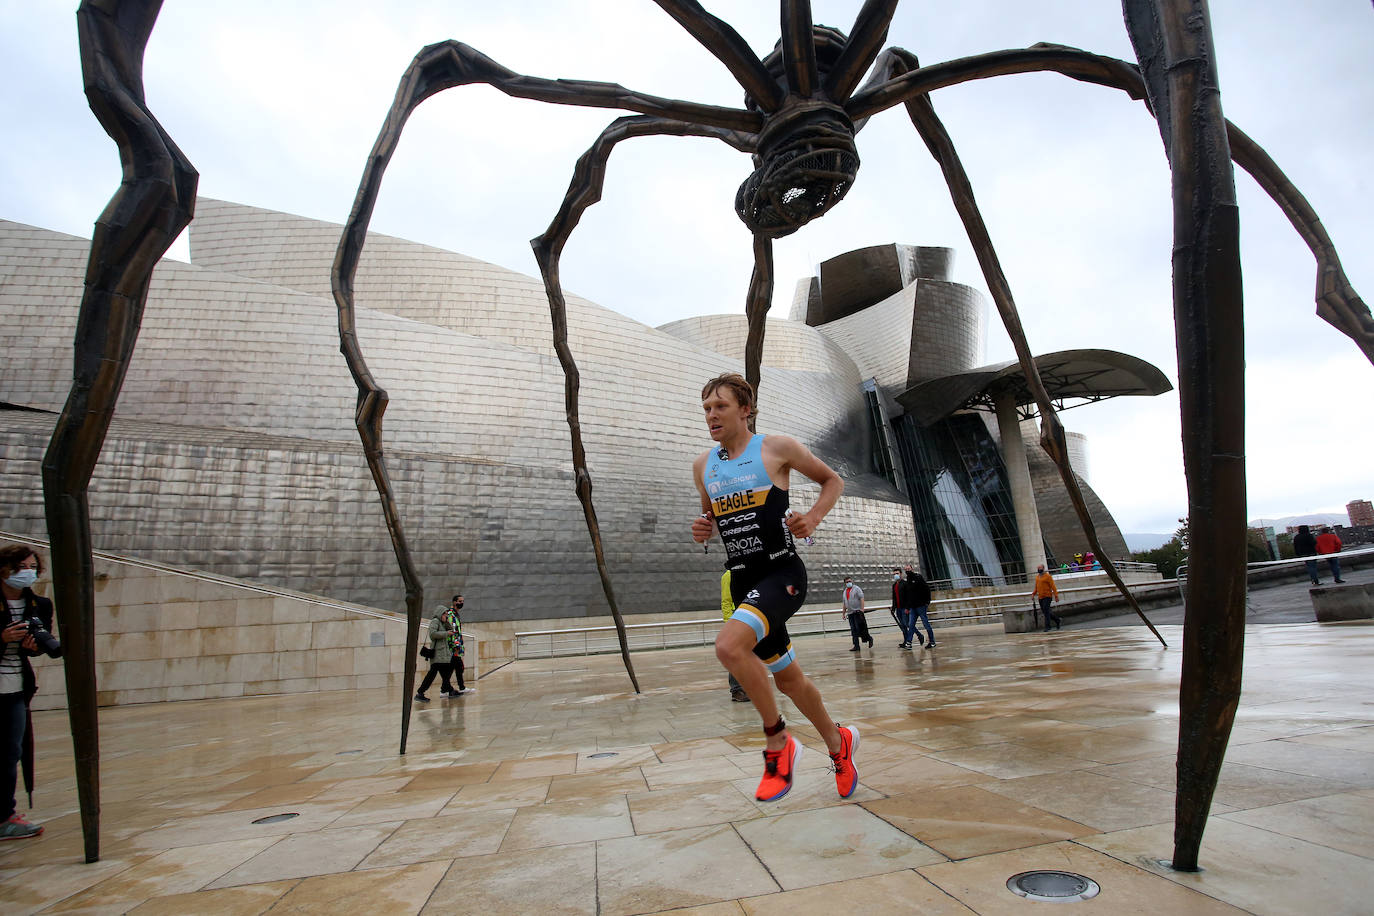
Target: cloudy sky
[277, 104]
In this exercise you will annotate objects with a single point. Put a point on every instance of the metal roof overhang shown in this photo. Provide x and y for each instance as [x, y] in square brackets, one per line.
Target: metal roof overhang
[1086, 375]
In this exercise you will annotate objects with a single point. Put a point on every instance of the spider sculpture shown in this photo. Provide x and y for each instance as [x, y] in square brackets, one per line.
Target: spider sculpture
[804, 106]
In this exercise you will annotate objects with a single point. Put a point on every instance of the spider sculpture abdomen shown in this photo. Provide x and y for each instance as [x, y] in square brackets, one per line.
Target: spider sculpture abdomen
[806, 164]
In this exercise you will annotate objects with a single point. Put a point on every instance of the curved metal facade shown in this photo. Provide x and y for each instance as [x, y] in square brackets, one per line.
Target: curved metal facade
[234, 448]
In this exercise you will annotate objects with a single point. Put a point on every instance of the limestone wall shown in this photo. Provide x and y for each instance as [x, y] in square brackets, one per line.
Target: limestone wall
[163, 635]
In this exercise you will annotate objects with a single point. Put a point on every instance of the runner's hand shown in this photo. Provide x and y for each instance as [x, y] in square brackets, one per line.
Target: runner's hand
[801, 526]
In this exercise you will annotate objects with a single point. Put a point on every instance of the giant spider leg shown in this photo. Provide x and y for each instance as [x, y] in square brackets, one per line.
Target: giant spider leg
[154, 202]
[756, 307]
[1213, 448]
[865, 43]
[1173, 40]
[589, 178]
[1337, 301]
[1052, 440]
[367, 417]
[799, 49]
[438, 67]
[721, 39]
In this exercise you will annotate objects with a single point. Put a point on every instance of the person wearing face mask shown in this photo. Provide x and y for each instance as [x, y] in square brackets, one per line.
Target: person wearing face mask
[916, 594]
[900, 613]
[20, 567]
[441, 633]
[854, 610]
[456, 643]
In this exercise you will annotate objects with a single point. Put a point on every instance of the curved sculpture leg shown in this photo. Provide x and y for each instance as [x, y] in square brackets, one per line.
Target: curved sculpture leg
[725, 44]
[756, 309]
[1337, 301]
[1052, 438]
[866, 39]
[588, 180]
[1208, 318]
[1173, 41]
[436, 68]
[153, 204]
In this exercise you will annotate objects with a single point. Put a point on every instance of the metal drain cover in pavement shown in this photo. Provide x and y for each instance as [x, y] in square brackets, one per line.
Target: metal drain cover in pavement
[276, 818]
[603, 754]
[1052, 886]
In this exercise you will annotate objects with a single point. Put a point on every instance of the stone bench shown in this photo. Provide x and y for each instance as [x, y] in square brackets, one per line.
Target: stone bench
[1332, 603]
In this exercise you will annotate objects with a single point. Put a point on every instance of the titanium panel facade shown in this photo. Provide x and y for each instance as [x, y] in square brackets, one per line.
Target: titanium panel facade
[234, 449]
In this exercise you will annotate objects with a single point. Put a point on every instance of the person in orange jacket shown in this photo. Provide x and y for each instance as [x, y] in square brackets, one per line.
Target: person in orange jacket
[1046, 592]
[1328, 545]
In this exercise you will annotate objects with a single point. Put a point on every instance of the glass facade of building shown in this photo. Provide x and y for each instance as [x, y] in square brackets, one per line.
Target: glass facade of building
[960, 501]
[882, 436]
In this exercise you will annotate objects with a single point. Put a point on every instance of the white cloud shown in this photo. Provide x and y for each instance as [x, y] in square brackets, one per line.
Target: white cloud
[278, 104]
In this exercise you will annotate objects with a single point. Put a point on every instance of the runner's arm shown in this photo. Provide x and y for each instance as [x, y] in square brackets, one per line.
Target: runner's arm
[703, 526]
[797, 457]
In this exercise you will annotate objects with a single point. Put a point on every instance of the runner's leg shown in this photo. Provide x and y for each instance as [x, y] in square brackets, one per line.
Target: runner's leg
[801, 691]
[735, 649]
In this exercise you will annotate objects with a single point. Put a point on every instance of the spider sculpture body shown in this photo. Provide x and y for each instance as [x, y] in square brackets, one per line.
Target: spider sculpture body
[803, 107]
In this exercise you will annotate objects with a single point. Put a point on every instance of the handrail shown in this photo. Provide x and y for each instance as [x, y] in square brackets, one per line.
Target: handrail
[1181, 574]
[994, 611]
[202, 576]
[474, 636]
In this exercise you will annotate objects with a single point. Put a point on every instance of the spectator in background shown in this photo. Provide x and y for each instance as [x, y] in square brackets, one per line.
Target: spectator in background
[1047, 593]
[918, 602]
[456, 643]
[899, 608]
[853, 608]
[441, 662]
[1328, 545]
[20, 567]
[1305, 545]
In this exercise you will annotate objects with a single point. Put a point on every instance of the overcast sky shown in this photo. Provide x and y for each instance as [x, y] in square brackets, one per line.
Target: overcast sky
[278, 103]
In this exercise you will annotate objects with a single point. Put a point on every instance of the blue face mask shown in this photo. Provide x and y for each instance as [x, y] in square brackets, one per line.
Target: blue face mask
[22, 578]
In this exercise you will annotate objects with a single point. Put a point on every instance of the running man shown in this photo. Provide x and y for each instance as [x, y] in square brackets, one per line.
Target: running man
[743, 482]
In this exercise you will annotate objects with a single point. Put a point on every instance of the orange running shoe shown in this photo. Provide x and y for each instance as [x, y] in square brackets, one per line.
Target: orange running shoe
[778, 767]
[846, 776]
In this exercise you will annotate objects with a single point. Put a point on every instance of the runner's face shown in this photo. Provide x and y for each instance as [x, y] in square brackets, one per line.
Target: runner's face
[725, 417]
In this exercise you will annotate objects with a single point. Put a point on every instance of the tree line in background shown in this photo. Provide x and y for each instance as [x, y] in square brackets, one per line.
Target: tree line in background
[1173, 553]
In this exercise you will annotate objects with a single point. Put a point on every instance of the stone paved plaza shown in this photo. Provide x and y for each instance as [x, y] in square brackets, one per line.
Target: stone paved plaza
[553, 789]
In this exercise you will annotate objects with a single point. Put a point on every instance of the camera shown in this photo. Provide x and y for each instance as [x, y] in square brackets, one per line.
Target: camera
[47, 642]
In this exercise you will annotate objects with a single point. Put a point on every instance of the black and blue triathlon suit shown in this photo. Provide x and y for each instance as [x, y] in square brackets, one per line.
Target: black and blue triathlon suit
[767, 578]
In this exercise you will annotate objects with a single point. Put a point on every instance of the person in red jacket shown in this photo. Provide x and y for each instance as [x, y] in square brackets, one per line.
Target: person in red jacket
[1328, 545]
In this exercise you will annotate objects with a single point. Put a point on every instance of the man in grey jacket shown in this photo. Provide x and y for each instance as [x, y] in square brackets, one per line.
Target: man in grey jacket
[854, 610]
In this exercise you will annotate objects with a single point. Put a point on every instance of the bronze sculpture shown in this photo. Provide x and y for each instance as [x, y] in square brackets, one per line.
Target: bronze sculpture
[803, 111]
[154, 203]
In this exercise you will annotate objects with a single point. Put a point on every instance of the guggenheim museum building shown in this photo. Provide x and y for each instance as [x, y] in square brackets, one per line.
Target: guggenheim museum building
[234, 452]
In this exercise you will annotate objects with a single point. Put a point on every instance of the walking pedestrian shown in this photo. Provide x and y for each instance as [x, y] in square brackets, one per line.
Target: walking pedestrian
[1047, 593]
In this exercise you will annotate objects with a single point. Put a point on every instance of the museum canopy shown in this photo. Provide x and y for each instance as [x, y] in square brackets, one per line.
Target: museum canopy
[1072, 378]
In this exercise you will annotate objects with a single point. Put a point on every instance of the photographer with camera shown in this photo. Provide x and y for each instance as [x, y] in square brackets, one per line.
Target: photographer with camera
[25, 631]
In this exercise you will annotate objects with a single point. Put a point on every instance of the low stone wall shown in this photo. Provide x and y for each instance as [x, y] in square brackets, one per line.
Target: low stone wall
[164, 635]
[1335, 603]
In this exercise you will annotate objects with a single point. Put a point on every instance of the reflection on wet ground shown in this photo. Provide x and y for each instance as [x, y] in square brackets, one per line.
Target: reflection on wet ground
[554, 789]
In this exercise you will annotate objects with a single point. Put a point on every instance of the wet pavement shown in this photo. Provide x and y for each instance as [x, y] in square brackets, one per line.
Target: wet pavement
[554, 789]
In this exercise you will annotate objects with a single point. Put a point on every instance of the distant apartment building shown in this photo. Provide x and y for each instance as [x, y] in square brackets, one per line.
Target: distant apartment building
[1361, 512]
